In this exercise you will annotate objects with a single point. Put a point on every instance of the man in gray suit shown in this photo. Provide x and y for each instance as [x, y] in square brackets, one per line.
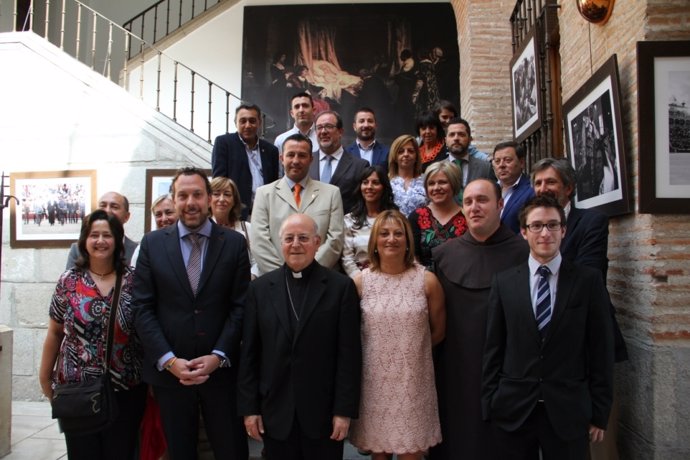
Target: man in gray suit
[333, 165]
[296, 193]
[116, 205]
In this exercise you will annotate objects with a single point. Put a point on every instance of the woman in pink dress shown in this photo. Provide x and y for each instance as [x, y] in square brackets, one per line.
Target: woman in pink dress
[403, 315]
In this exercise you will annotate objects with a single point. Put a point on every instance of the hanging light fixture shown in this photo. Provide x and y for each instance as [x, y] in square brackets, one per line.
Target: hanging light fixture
[595, 11]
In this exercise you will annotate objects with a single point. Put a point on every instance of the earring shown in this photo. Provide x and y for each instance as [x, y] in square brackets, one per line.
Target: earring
[376, 250]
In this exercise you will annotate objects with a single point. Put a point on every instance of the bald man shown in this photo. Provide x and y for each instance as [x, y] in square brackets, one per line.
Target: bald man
[116, 205]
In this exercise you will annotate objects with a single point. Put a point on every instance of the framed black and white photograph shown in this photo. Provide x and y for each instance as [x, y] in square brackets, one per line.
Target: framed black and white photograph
[51, 207]
[525, 83]
[398, 59]
[594, 142]
[663, 70]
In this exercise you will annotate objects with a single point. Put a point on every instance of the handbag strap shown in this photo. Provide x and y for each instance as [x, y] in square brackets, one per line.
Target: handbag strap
[114, 303]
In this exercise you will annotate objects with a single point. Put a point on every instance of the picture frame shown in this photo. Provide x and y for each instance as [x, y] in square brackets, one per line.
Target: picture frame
[663, 105]
[525, 85]
[158, 182]
[594, 142]
[51, 207]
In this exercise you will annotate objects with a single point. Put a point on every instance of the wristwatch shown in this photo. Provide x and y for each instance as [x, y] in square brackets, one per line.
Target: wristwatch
[222, 359]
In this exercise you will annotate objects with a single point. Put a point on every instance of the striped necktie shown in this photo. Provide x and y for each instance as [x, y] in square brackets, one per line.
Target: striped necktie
[194, 262]
[543, 314]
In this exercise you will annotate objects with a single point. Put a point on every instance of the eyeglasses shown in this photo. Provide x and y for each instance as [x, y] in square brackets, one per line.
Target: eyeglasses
[327, 127]
[301, 239]
[537, 227]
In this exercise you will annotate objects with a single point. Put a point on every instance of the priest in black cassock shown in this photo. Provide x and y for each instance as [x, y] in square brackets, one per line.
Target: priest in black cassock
[465, 267]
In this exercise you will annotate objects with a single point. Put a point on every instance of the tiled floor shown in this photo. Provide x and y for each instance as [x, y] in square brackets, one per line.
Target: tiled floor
[35, 436]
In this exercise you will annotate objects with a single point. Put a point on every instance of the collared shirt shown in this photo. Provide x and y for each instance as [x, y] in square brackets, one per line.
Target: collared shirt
[186, 244]
[367, 153]
[254, 157]
[334, 162]
[566, 210]
[555, 266]
[311, 134]
[508, 192]
[292, 183]
[465, 161]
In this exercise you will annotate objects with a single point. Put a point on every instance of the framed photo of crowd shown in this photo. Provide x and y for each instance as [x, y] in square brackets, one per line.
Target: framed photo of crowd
[594, 142]
[663, 75]
[525, 81]
[51, 207]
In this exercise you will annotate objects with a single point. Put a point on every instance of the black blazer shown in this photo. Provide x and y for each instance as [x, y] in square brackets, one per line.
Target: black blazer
[313, 375]
[571, 370]
[229, 159]
[168, 317]
[379, 155]
[586, 243]
[346, 177]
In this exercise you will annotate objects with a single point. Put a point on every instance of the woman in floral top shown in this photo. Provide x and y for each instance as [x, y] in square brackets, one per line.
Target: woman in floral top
[442, 219]
[405, 173]
[75, 346]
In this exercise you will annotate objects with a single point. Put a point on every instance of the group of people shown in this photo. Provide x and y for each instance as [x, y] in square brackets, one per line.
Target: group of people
[443, 304]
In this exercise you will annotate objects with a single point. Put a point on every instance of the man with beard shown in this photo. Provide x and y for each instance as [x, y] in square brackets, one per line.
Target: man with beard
[188, 300]
[458, 139]
[302, 111]
[249, 161]
[465, 267]
[585, 243]
[334, 166]
[366, 146]
[296, 193]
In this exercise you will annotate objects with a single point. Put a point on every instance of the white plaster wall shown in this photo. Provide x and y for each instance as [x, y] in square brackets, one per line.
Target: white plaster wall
[59, 115]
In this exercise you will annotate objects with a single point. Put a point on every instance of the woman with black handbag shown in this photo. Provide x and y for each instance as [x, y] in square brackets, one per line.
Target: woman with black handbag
[91, 363]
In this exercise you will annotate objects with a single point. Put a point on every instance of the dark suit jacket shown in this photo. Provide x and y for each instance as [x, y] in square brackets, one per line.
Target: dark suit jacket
[346, 177]
[511, 211]
[571, 370]
[168, 317]
[379, 155]
[74, 254]
[229, 159]
[586, 243]
[313, 375]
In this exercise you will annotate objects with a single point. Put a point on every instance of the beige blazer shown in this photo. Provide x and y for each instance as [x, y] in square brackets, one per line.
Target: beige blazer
[274, 202]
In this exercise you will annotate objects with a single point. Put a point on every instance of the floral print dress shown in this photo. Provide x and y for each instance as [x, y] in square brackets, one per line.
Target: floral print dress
[429, 233]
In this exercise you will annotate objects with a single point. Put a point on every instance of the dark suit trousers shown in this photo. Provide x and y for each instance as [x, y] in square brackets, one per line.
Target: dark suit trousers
[180, 416]
[298, 447]
[536, 432]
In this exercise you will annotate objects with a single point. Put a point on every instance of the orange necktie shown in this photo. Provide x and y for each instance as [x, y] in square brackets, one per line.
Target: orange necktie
[296, 191]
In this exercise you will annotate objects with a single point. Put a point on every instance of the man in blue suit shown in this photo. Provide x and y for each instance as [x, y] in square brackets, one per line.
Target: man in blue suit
[366, 146]
[508, 162]
[249, 161]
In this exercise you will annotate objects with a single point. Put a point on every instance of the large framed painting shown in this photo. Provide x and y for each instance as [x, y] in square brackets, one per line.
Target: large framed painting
[525, 82]
[663, 75]
[51, 207]
[594, 142]
[399, 59]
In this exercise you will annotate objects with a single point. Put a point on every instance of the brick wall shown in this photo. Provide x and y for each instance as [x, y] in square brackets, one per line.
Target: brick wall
[649, 277]
[485, 52]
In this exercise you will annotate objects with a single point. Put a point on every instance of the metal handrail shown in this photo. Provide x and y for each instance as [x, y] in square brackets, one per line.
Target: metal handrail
[161, 15]
[80, 33]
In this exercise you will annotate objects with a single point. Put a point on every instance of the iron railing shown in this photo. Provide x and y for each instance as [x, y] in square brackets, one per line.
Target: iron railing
[540, 17]
[166, 16]
[172, 88]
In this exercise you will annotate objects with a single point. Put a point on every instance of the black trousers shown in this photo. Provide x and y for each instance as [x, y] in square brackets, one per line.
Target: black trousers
[180, 407]
[535, 434]
[120, 440]
[299, 447]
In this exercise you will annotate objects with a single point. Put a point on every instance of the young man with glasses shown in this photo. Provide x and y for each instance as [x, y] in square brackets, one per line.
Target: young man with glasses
[547, 377]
